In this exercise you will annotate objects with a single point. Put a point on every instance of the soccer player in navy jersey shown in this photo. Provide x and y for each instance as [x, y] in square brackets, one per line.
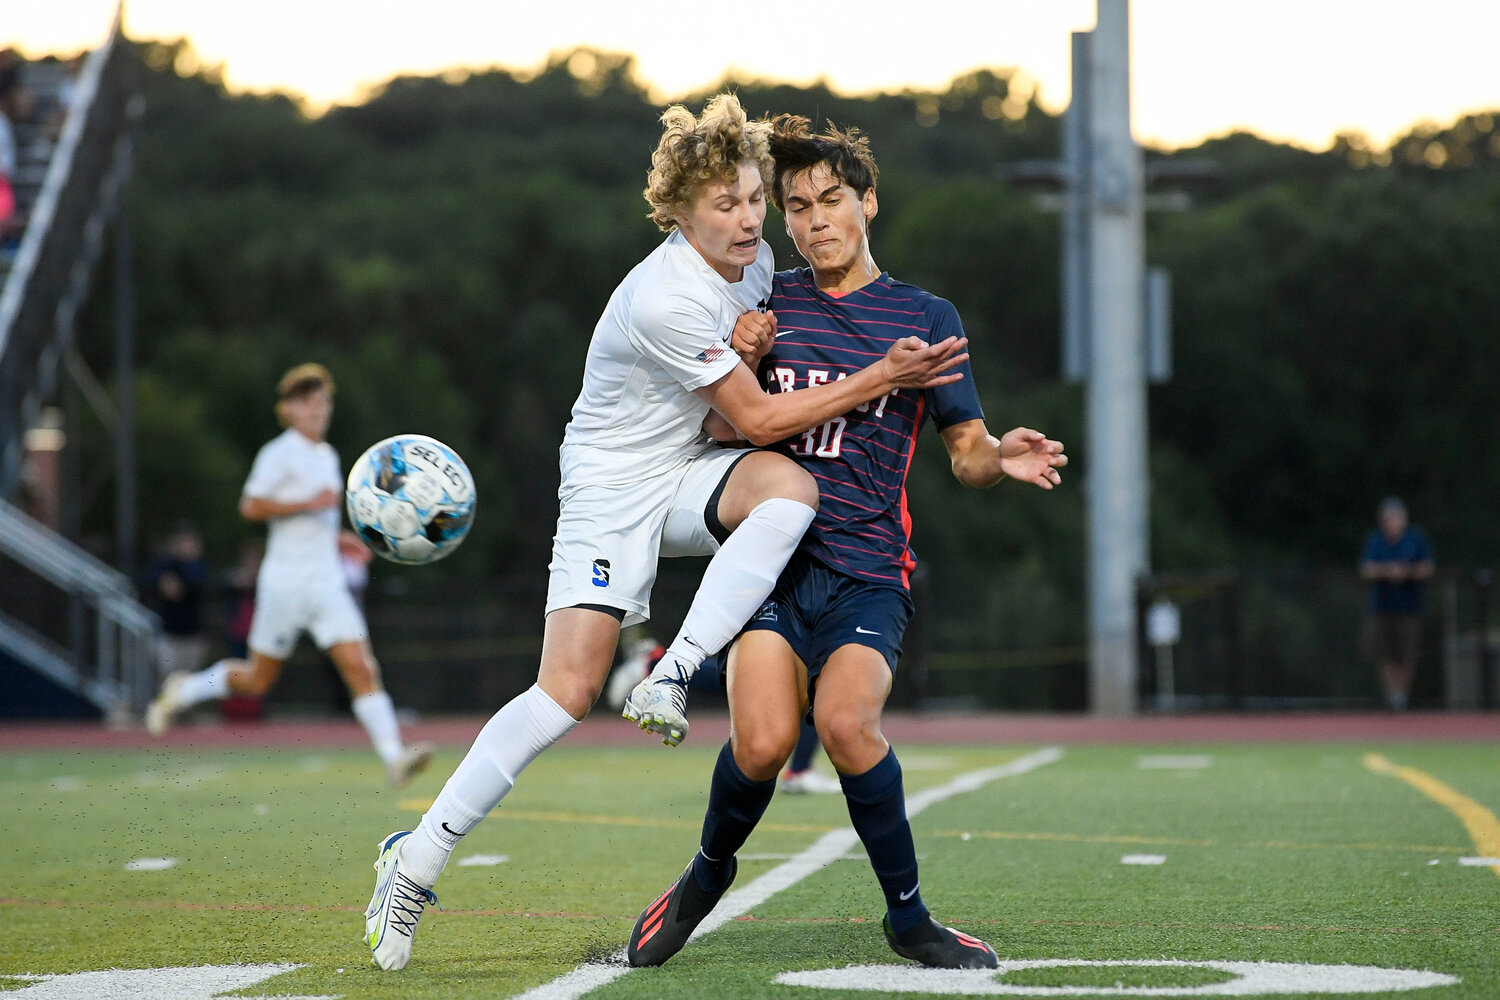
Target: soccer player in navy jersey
[829, 636]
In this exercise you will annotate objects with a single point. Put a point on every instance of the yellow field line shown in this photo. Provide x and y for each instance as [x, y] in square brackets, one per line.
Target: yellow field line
[657, 822]
[1482, 825]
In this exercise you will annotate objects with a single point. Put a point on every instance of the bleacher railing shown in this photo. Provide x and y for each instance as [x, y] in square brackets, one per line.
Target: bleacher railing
[63, 242]
[111, 654]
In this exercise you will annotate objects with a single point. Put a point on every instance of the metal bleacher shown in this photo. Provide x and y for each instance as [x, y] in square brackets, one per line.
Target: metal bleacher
[73, 637]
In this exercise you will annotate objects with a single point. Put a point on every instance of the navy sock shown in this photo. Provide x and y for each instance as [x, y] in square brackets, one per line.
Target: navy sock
[735, 805]
[807, 744]
[877, 808]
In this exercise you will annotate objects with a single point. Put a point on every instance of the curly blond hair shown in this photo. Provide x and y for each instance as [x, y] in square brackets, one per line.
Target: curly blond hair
[697, 151]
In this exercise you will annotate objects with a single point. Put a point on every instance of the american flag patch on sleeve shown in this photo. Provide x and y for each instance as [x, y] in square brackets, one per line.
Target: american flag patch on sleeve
[711, 355]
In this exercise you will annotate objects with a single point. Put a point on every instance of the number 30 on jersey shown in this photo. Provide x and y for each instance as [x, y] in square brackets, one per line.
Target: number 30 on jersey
[825, 441]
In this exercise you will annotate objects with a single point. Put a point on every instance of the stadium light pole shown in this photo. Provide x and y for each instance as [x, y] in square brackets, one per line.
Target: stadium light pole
[1109, 201]
[1116, 329]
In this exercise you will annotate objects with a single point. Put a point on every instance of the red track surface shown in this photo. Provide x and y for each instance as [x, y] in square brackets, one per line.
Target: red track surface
[902, 728]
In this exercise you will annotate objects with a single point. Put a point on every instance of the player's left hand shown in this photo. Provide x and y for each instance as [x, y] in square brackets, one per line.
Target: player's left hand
[1032, 457]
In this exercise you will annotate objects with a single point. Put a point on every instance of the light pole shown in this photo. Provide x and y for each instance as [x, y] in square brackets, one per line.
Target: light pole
[1110, 207]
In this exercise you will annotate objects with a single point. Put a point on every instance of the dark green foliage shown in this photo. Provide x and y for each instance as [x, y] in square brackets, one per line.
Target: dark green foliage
[448, 245]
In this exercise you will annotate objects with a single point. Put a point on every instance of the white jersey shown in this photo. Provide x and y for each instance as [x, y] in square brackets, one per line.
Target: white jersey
[664, 333]
[301, 549]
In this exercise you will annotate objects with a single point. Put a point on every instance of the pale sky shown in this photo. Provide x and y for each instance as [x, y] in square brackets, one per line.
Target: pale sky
[1291, 70]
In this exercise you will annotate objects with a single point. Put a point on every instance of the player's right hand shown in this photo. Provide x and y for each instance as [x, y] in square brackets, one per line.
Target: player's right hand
[754, 333]
[912, 363]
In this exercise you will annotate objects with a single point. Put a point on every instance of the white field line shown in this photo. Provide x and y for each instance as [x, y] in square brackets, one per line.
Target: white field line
[821, 853]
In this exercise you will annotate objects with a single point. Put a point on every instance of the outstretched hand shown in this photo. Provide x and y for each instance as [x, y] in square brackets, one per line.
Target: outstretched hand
[1032, 457]
[911, 363]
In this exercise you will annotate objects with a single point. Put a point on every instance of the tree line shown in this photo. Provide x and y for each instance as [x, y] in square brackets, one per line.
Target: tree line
[447, 245]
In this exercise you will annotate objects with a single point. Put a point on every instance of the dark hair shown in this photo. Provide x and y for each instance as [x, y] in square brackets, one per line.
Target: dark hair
[795, 148]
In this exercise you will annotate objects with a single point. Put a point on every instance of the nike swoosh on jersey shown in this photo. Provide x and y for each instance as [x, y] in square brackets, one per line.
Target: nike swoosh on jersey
[864, 631]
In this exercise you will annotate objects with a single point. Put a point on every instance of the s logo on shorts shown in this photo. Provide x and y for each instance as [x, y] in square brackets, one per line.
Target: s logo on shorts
[601, 572]
[767, 613]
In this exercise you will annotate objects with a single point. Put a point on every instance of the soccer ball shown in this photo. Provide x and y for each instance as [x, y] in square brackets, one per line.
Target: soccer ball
[410, 498]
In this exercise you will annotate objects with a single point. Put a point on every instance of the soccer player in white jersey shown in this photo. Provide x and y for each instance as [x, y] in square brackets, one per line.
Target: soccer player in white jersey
[296, 487]
[641, 480]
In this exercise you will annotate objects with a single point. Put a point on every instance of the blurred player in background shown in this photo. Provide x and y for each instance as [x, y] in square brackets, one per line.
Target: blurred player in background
[641, 480]
[296, 487]
[829, 637]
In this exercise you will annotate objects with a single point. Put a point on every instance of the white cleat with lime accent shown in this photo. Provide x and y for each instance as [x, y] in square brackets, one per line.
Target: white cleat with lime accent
[391, 919]
[659, 703]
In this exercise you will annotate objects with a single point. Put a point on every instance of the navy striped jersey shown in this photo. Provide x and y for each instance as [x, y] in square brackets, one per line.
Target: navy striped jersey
[860, 460]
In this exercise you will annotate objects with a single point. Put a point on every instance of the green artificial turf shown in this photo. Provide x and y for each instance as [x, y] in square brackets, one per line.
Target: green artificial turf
[1273, 853]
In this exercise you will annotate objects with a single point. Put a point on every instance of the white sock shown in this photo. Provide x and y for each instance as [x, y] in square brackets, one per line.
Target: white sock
[377, 714]
[739, 578]
[209, 684]
[528, 724]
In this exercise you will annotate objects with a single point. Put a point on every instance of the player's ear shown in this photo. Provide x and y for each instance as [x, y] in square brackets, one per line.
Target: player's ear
[871, 206]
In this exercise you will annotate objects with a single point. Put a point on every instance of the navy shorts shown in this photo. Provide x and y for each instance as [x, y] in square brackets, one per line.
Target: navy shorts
[817, 610]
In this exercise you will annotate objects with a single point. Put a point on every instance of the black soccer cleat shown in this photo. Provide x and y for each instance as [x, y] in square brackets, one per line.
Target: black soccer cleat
[933, 944]
[664, 927]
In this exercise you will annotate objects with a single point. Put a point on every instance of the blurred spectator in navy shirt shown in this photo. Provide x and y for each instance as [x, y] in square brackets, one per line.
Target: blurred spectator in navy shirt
[176, 584]
[1397, 561]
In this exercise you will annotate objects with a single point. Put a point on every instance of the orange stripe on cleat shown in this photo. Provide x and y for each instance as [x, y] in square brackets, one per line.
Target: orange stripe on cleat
[659, 905]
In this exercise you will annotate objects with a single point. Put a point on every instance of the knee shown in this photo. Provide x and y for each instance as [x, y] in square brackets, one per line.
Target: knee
[762, 752]
[253, 684]
[850, 737]
[798, 484]
[574, 694]
[780, 477]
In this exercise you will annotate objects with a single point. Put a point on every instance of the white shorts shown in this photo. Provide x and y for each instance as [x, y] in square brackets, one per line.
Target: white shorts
[328, 612]
[610, 537]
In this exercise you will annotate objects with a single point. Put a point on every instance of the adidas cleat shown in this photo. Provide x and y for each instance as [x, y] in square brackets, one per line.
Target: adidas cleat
[665, 926]
[391, 919]
[933, 944]
[659, 705]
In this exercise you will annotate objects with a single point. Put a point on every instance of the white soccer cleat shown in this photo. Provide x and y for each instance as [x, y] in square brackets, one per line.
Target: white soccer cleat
[167, 703]
[409, 764]
[809, 782]
[391, 918]
[659, 703]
